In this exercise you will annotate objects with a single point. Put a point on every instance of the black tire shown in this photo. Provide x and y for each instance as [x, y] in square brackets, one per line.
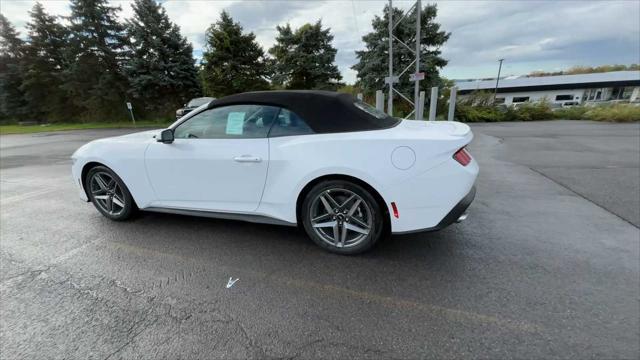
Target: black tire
[117, 192]
[358, 211]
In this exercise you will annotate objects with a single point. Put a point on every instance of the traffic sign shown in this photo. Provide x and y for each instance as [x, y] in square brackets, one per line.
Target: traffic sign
[395, 79]
[417, 76]
[130, 107]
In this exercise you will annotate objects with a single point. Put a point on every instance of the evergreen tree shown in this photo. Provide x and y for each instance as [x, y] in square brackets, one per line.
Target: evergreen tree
[233, 62]
[94, 79]
[372, 66]
[43, 66]
[12, 102]
[162, 70]
[304, 59]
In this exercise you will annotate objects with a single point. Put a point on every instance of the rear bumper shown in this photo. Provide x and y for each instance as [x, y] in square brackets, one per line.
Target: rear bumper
[453, 215]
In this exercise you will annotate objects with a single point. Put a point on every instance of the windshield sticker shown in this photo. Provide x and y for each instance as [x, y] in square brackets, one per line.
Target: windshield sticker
[235, 123]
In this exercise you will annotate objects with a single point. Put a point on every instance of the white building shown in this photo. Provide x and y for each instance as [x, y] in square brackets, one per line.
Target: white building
[619, 86]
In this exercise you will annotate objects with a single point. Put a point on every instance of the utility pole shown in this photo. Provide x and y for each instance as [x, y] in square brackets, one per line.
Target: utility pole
[416, 92]
[497, 81]
[390, 106]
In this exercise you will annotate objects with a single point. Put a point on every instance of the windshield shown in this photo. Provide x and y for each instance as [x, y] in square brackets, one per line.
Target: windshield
[387, 120]
[199, 101]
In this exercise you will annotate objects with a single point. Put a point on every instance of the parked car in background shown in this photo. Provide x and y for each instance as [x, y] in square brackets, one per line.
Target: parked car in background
[339, 168]
[191, 105]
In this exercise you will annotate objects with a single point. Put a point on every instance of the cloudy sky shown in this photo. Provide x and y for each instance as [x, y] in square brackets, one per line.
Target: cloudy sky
[530, 35]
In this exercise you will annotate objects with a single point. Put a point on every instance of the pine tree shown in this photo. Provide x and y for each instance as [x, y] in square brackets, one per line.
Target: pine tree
[94, 79]
[162, 70]
[43, 66]
[304, 59]
[233, 62]
[12, 102]
[372, 66]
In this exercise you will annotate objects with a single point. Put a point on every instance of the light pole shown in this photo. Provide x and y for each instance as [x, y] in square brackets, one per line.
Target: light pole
[497, 81]
[390, 106]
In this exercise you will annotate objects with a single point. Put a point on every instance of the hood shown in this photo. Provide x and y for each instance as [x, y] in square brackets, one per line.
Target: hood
[142, 134]
[140, 137]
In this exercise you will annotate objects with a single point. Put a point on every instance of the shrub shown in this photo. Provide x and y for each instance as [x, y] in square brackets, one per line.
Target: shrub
[470, 113]
[533, 112]
[571, 113]
[466, 112]
[614, 113]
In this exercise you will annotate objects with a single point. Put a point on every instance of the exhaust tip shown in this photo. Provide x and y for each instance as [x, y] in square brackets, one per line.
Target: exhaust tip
[462, 217]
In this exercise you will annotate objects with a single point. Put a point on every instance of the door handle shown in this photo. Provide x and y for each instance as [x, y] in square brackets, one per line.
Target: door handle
[247, 159]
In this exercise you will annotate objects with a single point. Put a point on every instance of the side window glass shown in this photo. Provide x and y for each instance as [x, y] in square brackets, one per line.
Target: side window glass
[288, 124]
[229, 122]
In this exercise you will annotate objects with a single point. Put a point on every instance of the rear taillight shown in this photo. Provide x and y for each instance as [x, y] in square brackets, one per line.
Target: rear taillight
[463, 157]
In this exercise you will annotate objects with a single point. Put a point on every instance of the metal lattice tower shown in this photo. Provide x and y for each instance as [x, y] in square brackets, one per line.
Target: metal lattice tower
[417, 76]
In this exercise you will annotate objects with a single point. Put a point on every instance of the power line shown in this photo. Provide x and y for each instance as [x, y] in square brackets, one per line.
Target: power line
[355, 17]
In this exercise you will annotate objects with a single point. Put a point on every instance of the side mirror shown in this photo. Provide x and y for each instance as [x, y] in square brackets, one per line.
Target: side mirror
[166, 136]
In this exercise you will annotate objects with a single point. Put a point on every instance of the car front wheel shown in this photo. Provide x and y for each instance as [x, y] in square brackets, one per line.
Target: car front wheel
[109, 194]
[342, 217]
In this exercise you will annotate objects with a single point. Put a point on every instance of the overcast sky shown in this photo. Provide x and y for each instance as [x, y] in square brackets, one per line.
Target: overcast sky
[530, 35]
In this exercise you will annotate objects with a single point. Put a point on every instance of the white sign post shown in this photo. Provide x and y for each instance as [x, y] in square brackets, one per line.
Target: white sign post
[452, 104]
[433, 103]
[130, 107]
[380, 100]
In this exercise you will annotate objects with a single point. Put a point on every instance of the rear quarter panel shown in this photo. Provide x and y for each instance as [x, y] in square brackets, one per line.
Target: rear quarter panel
[297, 160]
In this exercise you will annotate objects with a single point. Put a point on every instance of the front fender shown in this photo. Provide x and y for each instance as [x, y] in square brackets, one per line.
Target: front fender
[126, 159]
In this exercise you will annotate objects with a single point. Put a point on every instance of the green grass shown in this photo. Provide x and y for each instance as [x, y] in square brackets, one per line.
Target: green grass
[29, 129]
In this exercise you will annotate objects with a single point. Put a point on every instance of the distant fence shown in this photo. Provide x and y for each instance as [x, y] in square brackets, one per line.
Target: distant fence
[433, 103]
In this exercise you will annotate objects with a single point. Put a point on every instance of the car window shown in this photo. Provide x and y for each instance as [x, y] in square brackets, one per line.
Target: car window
[288, 124]
[370, 109]
[198, 102]
[228, 122]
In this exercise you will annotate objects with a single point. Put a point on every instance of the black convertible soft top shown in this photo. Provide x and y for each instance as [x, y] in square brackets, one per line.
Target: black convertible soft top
[323, 111]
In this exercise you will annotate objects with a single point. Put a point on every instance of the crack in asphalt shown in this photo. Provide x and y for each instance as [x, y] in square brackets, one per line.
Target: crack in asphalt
[132, 338]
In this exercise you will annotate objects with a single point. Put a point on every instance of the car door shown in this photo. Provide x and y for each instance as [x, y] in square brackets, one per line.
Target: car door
[217, 162]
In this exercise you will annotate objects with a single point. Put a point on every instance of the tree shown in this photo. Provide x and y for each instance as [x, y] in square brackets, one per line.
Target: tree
[304, 59]
[587, 70]
[233, 62]
[161, 71]
[94, 79]
[372, 66]
[43, 66]
[12, 102]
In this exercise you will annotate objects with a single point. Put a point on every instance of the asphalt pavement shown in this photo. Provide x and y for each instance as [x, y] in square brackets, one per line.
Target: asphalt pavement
[546, 266]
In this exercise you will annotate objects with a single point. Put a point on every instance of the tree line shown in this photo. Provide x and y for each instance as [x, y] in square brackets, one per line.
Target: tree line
[88, 65]
[587, 70]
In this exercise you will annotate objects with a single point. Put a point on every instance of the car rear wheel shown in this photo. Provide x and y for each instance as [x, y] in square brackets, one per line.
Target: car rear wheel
[342, 217]
[109, 194]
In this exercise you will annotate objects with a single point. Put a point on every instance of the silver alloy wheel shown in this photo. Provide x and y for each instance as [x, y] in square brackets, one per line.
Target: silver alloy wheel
[107, 193]
[341, 217]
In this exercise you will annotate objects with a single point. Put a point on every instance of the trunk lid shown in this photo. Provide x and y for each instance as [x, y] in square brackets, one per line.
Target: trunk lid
[437, 128]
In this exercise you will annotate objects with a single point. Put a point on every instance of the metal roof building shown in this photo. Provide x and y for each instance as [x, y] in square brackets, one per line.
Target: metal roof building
[561, 89]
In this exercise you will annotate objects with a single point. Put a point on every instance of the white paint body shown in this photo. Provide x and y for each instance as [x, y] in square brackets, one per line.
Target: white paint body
[410, 164]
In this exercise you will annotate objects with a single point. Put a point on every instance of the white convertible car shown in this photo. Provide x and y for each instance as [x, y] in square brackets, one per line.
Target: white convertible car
[344, 171]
